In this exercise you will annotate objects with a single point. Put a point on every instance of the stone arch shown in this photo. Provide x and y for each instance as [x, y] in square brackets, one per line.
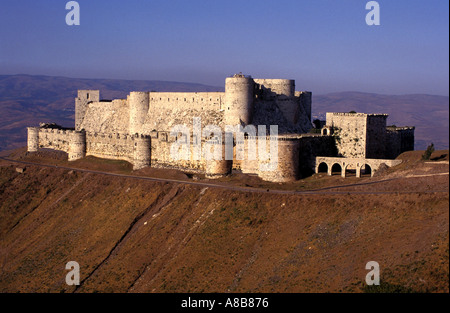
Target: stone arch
[327, 131]
[322, 168]
[350, 170]
[335, 168]
[366, 170]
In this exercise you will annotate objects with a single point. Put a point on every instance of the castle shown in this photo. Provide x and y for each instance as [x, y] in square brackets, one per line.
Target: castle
[138, 130]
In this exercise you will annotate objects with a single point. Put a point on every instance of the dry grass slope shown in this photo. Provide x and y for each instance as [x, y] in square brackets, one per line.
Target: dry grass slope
[132, 235]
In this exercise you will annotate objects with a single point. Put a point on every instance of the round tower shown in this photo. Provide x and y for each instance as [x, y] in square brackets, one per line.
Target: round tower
[77, 145]
[288, 88]
[138, 103]
[277, 87]
[142, 152]
[285, 87]
[33, 139]
[287, 167]
[218, 168]
[239, 95]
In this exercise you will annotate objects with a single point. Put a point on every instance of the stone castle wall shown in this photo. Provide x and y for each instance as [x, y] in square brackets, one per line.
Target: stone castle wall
[311, 146]
[70, 141]
[399, 140]
[274, 101]
[110, 146]
[106, 117]
[161, 143]
[186, 100]
[376, 136]
[55, 139]
[349, 130]
[305, 101]
[406, 138]
[135, 149]
[360, 135]
[178, 108]
[137, 129]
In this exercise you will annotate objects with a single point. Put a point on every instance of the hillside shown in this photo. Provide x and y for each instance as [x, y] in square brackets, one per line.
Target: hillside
[26, 100]
[134, 235]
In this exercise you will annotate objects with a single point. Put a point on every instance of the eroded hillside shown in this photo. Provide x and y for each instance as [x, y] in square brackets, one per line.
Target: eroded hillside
[133, 235]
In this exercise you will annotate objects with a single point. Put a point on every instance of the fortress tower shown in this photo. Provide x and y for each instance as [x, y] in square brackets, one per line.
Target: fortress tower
[282, 91]
[77, 145]
[287, 168]
[358, 135]
[218, 168]
[33, 139]
[142, 152]
[81, 102]
[239, 97]
[305, 101]
[138, 103]
[273, 87]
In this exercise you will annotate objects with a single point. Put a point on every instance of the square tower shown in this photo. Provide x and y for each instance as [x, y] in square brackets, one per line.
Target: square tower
[359, 135]
[81, 103]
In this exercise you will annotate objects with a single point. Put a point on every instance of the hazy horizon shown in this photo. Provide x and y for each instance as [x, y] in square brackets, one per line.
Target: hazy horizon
[326, 46]
[220, 87]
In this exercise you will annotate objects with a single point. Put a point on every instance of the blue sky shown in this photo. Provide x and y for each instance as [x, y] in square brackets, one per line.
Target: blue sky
[325, 45]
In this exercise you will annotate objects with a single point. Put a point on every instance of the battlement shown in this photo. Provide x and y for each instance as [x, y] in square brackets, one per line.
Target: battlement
[58, 131]
[403, 128]
[357, 114]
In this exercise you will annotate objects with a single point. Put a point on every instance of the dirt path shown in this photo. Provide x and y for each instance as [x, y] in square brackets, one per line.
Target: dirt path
[325, 190]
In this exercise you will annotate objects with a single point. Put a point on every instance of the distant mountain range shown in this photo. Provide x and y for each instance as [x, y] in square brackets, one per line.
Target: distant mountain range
[26, 100]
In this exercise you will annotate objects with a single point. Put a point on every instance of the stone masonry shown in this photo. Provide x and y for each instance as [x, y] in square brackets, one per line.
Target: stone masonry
[138, 129]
